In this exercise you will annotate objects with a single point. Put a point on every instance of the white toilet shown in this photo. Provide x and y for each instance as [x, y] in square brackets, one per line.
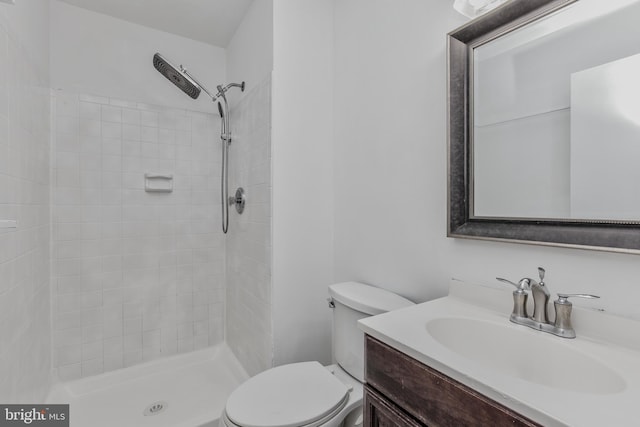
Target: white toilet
[308, 394]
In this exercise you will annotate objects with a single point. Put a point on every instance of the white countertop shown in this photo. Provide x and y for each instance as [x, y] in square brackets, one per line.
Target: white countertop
[406, 331]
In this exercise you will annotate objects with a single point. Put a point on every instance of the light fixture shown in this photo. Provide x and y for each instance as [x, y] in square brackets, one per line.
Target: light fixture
[474, 8]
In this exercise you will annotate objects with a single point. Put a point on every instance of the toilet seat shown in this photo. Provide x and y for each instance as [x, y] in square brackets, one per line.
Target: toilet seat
[295, 395]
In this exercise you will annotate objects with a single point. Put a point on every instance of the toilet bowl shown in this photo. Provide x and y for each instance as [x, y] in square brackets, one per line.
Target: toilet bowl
[308, 394]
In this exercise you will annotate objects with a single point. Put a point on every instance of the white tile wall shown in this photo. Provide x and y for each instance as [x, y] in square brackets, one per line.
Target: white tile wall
[248, 244]
[25, 327]
[136, 275]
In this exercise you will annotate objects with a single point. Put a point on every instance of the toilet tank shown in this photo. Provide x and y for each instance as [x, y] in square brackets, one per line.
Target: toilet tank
[353, 301]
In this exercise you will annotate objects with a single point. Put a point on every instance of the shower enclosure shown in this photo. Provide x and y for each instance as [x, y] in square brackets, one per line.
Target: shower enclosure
[112, 180]
[141, 276]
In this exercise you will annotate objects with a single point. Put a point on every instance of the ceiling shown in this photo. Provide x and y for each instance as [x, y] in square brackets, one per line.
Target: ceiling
[209, 21]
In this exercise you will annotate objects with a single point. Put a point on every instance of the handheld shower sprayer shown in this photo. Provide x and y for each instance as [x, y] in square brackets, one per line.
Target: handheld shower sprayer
[180, 77]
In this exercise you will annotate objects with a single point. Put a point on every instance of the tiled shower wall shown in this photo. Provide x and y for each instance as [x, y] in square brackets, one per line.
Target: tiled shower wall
[136, 275]
[25, 331]
[249, 324]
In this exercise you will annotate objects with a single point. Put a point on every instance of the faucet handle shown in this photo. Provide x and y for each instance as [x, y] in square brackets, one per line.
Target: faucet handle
[541, 272]
[519, 298]
[564, 298]
[563, 306]
[521, 286]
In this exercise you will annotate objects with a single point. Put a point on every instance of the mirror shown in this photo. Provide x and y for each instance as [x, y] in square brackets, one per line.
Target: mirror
[544, 124]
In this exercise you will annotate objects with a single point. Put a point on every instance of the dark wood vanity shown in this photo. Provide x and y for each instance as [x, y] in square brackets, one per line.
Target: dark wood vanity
[402, 392]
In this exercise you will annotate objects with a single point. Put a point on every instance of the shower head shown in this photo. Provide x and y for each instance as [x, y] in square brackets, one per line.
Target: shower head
[178, 77]
[220, 110]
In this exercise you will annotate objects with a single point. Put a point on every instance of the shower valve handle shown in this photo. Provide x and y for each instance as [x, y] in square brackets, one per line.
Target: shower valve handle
[239, 200]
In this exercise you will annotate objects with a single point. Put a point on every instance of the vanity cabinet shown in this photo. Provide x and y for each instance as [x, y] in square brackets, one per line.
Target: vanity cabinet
[402, 392]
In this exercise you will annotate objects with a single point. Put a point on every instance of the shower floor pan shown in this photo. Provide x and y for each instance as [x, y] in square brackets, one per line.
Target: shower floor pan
[188, 390]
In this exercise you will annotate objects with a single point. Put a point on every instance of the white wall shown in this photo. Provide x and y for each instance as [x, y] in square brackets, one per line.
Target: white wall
[390, 151]
[533, 152]
[522, 112]
[527, 72]
[101, 55]
[248, 242]
[302, 179]
[604, 141]
[390, 144]
[249, 55]
[25, 326]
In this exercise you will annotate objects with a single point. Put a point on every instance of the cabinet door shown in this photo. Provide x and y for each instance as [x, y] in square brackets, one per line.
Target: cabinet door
[379, 412]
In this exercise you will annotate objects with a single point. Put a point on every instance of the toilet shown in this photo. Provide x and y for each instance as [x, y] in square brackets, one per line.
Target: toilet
[308, 394]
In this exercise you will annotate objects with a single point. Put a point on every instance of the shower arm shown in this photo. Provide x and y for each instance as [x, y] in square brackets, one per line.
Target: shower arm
[230, 85]
[221, 90]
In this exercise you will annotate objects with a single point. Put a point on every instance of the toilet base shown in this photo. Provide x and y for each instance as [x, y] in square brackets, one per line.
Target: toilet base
[354, 419]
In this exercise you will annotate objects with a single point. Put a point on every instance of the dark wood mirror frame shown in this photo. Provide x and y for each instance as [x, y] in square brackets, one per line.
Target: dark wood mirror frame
[612, 235]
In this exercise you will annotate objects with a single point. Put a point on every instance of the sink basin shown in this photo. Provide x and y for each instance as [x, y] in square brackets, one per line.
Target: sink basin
[525, 354]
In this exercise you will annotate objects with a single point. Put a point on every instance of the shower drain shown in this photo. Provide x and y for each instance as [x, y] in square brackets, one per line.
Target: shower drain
[155, 408]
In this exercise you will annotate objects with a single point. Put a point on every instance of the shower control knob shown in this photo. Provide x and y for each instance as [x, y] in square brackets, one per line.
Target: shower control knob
[239, 200]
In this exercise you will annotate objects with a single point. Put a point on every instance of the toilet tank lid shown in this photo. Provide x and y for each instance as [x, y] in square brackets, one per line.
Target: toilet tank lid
[366, 298]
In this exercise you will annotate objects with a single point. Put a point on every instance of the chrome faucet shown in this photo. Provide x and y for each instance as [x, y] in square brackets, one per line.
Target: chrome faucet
[540, 320]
